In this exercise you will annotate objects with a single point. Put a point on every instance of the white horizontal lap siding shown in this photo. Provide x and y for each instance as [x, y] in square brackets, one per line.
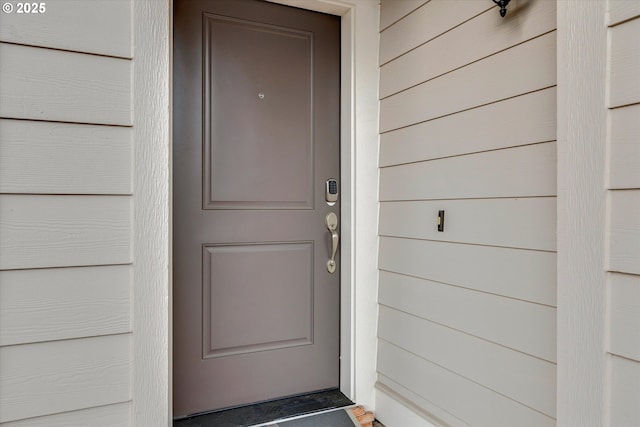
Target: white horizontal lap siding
[518, 223]
[64, 231]
[515, 273]
[64, 158]
[115, 415]
[624, 88]
[391, 12]
[625, 389]
[423, 24]
[623, 225]
[477, 313]
[531, 67]
[468, 400]
[526, 379]
[468, 126]
[99, 27]
[495, 126]
[502, 173]
[622, 10]
[624, 337]
[481, 37]
[58, 376]
[624, 169]
[47, 84]
[62, 303]
[66, 212]
[624, 231]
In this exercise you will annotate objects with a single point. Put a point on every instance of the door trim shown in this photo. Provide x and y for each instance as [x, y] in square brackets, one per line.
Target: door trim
[151, 376]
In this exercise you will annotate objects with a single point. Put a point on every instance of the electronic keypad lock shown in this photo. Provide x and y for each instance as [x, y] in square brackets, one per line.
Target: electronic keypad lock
[331, 191]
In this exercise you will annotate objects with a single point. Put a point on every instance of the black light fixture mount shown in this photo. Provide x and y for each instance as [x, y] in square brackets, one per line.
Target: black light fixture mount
[503, 6]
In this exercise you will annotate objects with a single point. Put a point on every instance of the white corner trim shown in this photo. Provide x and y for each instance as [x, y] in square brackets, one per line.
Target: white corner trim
[582, 117]
[151, 293]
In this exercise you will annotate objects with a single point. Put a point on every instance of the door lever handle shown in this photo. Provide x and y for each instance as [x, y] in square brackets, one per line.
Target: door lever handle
[332, 224]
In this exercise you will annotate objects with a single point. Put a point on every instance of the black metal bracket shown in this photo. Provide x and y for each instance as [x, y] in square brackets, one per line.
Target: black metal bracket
[503, 6]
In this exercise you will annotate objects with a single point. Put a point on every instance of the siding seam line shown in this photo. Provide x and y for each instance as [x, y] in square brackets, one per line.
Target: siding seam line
[386, 270]
[468, 154]
[403, 16]
[65, 122]
[71, 411]
[471, 108]
[115, 334]
[620, 356]
[444, 325]
[467, 64]
[101, 55]
[486, 245]
[434, 37]
[67, 266]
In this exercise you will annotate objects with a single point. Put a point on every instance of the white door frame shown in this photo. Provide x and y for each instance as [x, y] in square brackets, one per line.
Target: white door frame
[152, 81]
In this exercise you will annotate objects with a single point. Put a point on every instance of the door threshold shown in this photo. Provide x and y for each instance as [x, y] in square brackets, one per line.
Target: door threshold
[336, 417]
[268, 412]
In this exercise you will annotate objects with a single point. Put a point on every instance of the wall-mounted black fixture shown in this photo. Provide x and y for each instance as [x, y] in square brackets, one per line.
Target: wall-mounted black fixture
[503, 6]
[440, 220]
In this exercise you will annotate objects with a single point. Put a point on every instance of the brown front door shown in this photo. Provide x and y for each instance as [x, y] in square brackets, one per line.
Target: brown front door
[256, 137]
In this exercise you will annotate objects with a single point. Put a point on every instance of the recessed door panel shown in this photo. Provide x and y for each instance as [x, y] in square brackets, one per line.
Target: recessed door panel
[257, 76]
[256, 137]
[251, 303]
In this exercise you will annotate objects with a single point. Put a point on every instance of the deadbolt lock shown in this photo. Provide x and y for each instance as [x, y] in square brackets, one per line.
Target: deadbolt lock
[331, 191]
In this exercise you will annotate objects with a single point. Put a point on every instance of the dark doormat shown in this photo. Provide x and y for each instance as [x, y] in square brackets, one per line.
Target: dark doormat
[268, 411]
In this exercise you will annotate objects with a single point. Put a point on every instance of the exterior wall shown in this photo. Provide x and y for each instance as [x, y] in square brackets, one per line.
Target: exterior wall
[467, 318]
[598, 211]
[623, 225]
[66, 190]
